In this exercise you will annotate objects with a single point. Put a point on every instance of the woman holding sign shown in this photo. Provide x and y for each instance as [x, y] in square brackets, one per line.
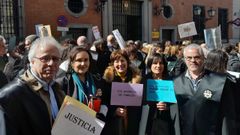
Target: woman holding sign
[159, 120]
[121, 120]
[79, 82]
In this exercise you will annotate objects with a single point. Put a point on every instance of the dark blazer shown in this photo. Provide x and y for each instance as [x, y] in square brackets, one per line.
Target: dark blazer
[208, 111]
[115, 124]
[3, 78]
[25, 111]
[69, 87]
[159, 122]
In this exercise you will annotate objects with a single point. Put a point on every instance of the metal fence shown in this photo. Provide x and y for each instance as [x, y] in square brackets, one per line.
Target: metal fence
[127, 18]
[11, 18]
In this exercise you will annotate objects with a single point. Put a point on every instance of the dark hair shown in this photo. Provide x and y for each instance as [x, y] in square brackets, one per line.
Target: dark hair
[20, 48]
[73, 53]
[156, 57]
[100, 45]
[116, 55]
[68, 44]
[228, 48]
[138, 44]
[216, 61]
[131, 50]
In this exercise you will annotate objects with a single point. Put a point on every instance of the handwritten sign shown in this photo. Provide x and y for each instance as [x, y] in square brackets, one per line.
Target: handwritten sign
[119, 38]
[213, 38]
[187, 30]
[160, 90]
[96, 32]
[126, 94]
[37, 27]
[43, 30]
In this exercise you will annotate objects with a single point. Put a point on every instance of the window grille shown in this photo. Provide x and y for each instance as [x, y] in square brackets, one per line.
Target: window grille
[127, 18]
[11, 18]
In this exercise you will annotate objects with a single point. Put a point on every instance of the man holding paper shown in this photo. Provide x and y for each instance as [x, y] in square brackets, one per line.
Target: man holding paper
[31, 102]
[204, 106]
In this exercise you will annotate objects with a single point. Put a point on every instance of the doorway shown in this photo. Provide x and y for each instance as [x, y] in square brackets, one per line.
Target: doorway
[168, 33]
[127, 18]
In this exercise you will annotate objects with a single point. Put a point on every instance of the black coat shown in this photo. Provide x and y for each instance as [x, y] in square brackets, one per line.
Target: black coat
[115, 124]
[25, 111]
[69, 87]
[103, 61]
[208, 111]
[159, 122]
[3, 78]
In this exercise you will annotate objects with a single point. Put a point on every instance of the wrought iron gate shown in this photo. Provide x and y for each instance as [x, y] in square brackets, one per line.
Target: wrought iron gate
[11, 18]
[127, 18]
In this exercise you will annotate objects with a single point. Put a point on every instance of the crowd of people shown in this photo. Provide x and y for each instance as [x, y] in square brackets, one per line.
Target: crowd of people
[40, 72]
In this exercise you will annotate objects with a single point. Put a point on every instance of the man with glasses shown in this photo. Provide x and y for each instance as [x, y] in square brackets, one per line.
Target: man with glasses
[205, 104]
[31, 102]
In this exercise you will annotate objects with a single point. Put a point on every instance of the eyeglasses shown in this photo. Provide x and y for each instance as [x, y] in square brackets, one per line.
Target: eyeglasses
[189, 58]
[47, 59]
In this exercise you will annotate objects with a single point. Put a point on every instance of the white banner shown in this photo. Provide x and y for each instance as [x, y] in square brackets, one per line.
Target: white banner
[96, 32]
[187, 29]
[213, 38]
[43, 30]
[119, 38]
[37, 29]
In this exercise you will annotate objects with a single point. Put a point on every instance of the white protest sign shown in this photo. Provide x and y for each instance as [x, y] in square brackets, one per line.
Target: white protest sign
[44, 30]
[37, 29]
[213, 38]
[126, 94]
[119, 38]
[74, 121]
[96, 32]
[187, 30]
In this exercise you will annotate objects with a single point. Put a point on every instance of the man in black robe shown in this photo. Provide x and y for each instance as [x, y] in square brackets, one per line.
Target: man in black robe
[205, 103]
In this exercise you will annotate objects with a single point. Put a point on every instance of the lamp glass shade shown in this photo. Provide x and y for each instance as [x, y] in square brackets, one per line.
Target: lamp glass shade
[211, 12]
[197, 11]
